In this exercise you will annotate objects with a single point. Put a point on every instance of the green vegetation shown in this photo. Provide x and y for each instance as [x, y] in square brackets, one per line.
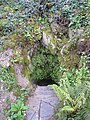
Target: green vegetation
[8, 78]
[10, 83]
[73, 94]
[45, 65]
[22, 24]
[17, 111]
[24, 21]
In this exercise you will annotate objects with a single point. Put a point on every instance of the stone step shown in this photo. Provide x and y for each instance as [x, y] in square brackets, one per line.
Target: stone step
[42, 104]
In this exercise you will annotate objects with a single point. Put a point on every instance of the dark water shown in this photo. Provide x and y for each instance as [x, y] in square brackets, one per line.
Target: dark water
[45, 82]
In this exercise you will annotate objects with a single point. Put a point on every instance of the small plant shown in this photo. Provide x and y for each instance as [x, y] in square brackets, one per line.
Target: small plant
[8, 78]
[17, 111]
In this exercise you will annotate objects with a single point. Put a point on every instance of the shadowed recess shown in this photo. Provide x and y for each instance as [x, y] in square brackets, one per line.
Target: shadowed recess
[45, 82]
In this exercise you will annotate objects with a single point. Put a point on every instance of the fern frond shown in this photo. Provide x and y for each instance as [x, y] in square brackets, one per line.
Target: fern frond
[68, 108]
[60, 92]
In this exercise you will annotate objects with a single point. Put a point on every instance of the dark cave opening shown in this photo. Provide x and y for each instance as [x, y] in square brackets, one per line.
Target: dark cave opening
[45, 82]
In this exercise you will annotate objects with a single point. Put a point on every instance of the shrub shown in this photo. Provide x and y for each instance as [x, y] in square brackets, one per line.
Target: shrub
[73, 93]
[45, 65]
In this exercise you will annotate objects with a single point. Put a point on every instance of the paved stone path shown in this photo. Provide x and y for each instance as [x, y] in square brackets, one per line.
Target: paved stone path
[42, 104]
